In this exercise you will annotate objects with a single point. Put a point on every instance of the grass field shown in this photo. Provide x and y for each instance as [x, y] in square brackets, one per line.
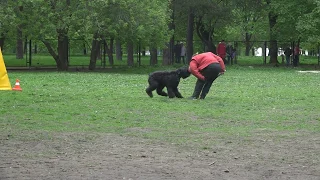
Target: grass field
[39, 60]
[242, 101]
[279, 103]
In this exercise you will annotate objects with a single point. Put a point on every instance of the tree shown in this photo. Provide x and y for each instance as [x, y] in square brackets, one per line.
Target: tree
[249, 22]
[207, 19]
[129, 21]
[273, 49]
[308, 23]
[288, 21]
[49, 21]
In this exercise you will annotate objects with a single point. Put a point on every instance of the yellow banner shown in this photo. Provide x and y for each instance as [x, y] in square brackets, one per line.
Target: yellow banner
[4, 79]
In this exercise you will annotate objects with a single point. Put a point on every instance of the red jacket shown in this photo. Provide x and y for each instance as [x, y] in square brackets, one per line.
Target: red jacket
[221, 50]
[201, 61]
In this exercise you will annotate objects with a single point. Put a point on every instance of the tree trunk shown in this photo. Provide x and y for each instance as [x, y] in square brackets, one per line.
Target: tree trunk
[130, 60]
[2, 41]
[84, 49]
[35, 48]
[168, 54]
[19, 45]
[19, 52]
[143, 53]
[51, 52]
[190, 30]
[273, 49]
[248, 44]
[110, 52]
[63, 51]
[94, 51]
[99, 54]
[118, 50]
[62, 57]
[206, 36]
[153, 56]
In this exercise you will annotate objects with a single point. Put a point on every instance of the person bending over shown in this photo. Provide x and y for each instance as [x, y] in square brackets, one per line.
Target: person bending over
[206, 67]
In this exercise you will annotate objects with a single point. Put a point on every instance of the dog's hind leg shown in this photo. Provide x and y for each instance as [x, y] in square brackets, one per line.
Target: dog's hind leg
[161, 92]
[152, 86]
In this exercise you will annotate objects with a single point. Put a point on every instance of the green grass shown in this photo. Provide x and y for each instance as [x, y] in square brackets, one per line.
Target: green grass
[244, 101]
[38, 60]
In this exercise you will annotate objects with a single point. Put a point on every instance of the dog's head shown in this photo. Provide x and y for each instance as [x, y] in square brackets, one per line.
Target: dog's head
[183, 72]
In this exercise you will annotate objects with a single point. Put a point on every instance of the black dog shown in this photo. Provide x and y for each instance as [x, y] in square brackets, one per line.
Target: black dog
[169, 79]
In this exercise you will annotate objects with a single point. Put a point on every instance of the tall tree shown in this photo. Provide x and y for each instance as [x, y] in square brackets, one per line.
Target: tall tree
[48, 20]
[248, 21]
[273, 48]
[190, 30]
[19, 45]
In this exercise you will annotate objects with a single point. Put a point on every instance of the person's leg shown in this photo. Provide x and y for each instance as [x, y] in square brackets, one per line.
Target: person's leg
[206, 88]
[288, 60]
[229, 59]
[197, 89]
[295, 60]
[210, 73]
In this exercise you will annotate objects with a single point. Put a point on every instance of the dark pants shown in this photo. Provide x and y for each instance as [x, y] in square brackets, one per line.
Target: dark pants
[178, 58]
[296, 61]
[182, 58]
[230, 59]
[210, 73]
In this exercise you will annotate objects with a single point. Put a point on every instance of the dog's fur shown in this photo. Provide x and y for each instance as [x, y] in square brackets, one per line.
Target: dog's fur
[169, 79]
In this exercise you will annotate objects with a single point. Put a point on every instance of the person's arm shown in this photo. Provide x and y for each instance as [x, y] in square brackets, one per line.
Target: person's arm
[223, 67]
[193, 69]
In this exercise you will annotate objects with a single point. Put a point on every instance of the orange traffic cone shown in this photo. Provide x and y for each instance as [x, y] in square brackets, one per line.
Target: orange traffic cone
[17, 86]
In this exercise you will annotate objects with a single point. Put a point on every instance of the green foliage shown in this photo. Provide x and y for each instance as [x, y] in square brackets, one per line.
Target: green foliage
[249, 18]
[309, 23]
[147, 21]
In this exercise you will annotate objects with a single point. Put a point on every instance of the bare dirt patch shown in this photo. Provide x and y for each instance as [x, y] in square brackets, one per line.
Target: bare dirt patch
[267, 155]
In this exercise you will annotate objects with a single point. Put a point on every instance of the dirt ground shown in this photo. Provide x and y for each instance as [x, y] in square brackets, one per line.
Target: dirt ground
[62, 156]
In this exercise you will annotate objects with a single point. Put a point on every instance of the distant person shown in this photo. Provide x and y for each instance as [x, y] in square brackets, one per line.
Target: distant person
[296, 56]
[206, 67]
[230, 54]
[221, 50]
[234, 54]
[287, 53]
[177, 52]
[183, 53]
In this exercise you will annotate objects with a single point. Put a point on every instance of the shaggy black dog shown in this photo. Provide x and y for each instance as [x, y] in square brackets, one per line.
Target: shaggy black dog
[169, 79]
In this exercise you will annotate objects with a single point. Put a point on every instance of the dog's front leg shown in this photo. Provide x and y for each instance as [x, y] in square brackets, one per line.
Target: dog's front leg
[170, 92]
[177, 93]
